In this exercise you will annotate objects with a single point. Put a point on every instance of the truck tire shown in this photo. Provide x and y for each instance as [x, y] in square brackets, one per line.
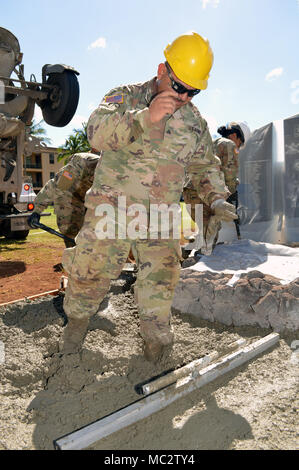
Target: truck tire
[61, 105]
[18, 235]
[13, 235]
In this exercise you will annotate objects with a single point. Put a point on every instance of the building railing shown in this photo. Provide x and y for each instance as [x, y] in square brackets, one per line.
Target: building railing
[33, 165]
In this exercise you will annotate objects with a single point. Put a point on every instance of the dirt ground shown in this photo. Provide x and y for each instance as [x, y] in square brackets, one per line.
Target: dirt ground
[34, 280]
[28, 268]
[45, 395]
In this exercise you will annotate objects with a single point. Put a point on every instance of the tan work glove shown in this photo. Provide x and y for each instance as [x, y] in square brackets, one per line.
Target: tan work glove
[211, 235]
[224, 210]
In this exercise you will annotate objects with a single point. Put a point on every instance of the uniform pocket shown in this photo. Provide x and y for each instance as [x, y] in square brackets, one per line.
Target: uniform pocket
[68, 258]
[82, 263]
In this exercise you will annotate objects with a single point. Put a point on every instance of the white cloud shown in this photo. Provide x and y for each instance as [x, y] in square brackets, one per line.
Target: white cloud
[98, 43]
[274, 74]
[213, 3]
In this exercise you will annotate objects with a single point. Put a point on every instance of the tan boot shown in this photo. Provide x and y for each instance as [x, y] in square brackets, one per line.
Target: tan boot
[153, 351]
[74, 335]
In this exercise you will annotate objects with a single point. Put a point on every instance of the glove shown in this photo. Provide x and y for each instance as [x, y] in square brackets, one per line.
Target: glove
[224, 210]
[33, 219]
[211, 235]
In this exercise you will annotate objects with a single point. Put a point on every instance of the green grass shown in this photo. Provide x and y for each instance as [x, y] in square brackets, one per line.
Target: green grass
[41, 236]
[37, 245]
[50, 221]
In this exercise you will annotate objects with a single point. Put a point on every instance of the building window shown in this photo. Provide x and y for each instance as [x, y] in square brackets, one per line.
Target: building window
[51, 158]
[38, 161]
[37, 180]
[52, 174]
[33, 161]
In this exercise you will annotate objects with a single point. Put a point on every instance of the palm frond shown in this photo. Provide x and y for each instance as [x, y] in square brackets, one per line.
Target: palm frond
[75, 143]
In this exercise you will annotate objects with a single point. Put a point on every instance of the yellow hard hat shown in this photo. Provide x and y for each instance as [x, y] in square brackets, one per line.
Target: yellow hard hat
[191, 58]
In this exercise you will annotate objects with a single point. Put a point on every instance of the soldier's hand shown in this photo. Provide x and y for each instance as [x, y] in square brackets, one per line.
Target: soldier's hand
[224, 210]
[33, 219]
[164, 103]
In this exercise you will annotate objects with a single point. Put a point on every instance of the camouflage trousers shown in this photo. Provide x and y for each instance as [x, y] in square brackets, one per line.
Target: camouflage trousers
[92, 263]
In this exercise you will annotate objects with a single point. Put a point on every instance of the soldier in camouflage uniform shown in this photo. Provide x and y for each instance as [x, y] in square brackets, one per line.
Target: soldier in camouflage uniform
[226, 147]
[150, 135]
[67, 192]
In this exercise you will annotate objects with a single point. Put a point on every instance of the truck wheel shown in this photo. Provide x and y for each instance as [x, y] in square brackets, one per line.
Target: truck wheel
[13, 235]
[18, 235]
[62, 102]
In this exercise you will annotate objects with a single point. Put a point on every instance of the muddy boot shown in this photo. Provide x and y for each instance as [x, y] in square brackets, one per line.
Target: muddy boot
[74, 335]
[153, 351]
[185, 253]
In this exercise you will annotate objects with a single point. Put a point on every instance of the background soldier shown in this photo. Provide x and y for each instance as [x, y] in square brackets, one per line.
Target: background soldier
[233, 137]
[67, 192]
[150, 135]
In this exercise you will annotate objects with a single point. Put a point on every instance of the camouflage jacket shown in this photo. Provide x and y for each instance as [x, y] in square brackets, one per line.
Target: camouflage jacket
[228, 153]
[45, 197]
[71, 181]
[149, 163]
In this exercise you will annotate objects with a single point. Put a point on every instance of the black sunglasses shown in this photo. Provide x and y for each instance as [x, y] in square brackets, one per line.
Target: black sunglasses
[179, 88]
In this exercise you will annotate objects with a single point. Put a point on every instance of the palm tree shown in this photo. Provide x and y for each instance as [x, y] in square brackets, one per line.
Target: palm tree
[36, 130]
[83, 133]
[75, 143]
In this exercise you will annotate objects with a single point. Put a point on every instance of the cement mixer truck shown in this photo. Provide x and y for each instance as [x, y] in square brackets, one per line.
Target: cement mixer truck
[57, 96]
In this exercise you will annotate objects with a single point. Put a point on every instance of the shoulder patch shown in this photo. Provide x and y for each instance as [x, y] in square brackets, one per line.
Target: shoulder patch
[114, 99]
[67, 175]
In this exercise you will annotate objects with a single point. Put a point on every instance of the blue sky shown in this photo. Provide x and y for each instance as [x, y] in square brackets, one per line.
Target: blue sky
[255, 77]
